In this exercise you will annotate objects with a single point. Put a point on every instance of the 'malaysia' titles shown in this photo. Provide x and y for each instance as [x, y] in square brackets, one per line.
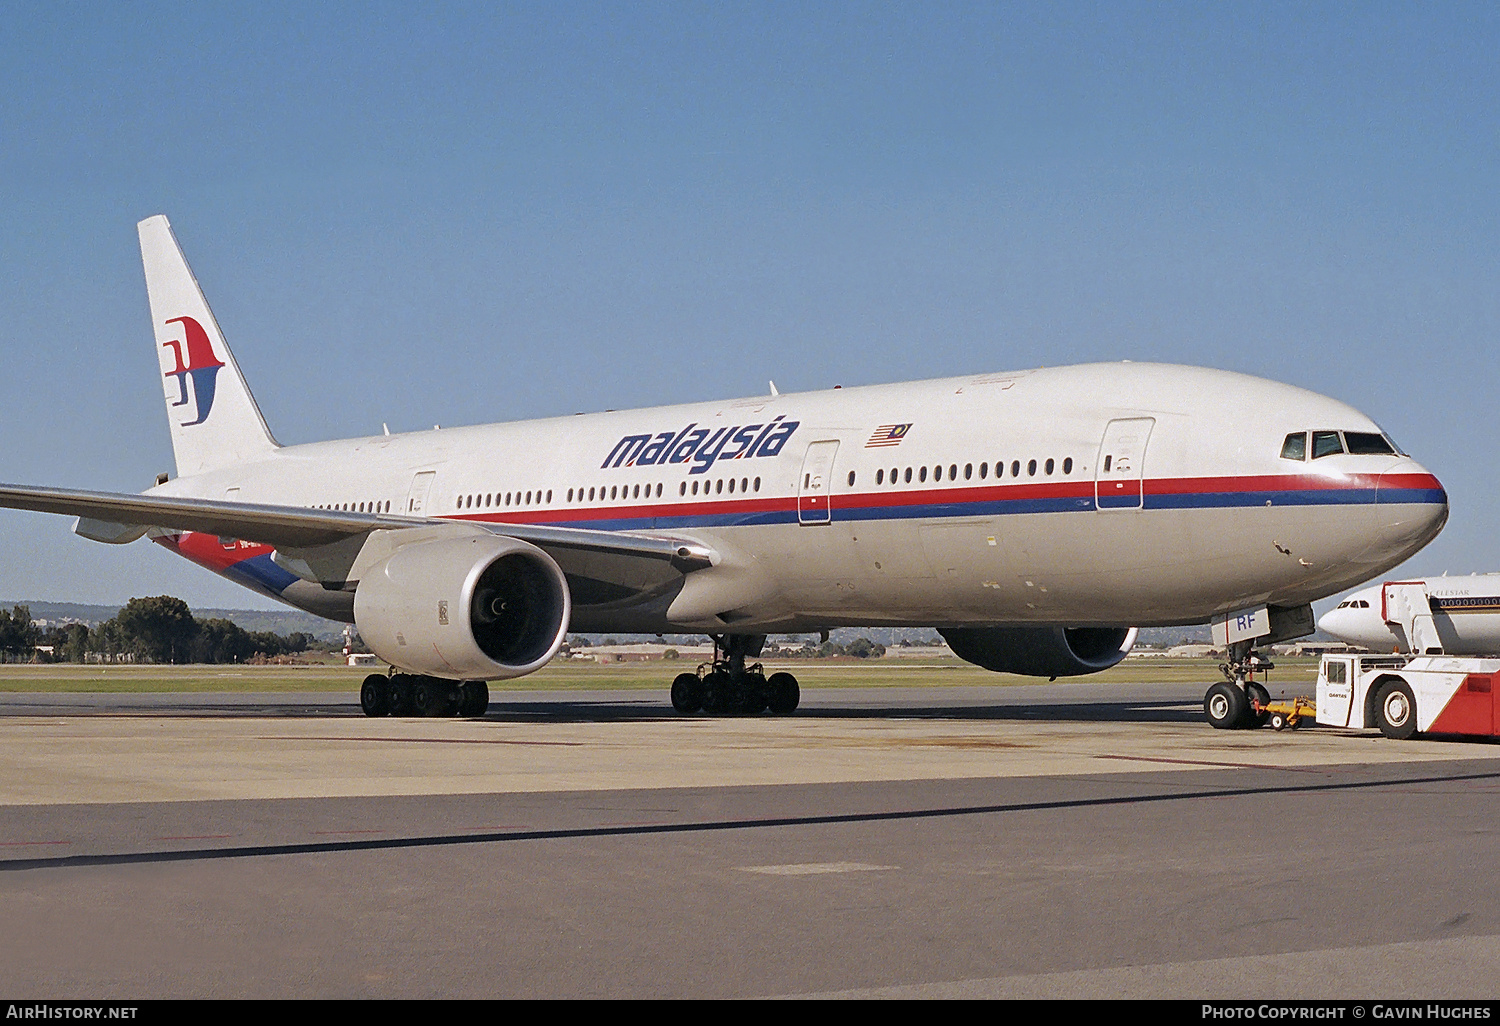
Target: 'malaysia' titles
[702, 446]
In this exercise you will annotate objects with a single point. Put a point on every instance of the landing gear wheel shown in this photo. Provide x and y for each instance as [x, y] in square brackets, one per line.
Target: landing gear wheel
[374, 698]
[1396, 711]
[782, 694]
[1225, 706]
[474, 698]
[755, 696]
[398, 695]
[687, 693]
[717, 697]
[1256, 693]
[431, 697]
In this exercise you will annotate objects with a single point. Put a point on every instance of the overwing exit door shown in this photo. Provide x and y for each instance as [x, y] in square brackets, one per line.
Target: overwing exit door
[815, 486]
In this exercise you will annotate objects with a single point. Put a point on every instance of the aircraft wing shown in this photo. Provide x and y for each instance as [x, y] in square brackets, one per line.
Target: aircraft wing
[116, 516]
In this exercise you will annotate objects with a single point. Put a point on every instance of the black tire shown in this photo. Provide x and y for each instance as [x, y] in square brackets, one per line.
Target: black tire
[475, 699]
[430, 697]
[687, 693]
[1225, 706]
[375, 696]
[1258, 693]
[718, 698]
[782, 694]
[1278, 721]
[756, 696]
[1396, 711]
[398, 695]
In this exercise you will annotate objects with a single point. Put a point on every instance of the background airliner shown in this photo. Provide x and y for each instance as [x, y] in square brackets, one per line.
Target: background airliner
[1034, 517]
[1464, 613]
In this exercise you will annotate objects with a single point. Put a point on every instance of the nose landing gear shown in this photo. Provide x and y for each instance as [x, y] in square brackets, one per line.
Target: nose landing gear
[728, 687]
[1239, 702]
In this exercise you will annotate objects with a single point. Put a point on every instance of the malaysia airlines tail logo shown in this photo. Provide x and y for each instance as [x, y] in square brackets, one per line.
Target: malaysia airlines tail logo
[201, 365]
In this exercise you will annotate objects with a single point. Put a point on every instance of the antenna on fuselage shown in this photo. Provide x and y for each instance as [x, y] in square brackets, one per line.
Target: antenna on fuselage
[773, 389]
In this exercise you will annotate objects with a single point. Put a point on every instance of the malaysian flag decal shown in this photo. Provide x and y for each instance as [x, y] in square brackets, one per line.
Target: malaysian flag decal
[887, 434]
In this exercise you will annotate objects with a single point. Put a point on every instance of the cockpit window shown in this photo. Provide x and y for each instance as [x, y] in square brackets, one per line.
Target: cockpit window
[1295, 446]
[1367, 443]
[1326, 443]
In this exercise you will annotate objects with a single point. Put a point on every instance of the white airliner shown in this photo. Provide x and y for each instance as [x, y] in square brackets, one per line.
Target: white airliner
[1464, 613]
[1034, 517]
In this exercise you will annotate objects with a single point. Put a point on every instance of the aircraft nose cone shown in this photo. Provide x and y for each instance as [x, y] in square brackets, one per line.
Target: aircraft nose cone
[1411, 506]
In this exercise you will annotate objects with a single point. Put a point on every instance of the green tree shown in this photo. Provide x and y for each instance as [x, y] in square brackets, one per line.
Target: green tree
[222, 641]
[18, 636]
[160, 629]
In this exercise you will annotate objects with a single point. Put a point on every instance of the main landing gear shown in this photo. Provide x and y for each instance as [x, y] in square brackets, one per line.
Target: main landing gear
[1238, 702]
[727, 687]
[407, 694]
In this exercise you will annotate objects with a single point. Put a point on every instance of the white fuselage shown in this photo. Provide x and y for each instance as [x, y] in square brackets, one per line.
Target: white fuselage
[1106, 494]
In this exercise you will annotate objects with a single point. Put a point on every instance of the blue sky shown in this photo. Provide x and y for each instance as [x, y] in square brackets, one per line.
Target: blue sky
[491, 212]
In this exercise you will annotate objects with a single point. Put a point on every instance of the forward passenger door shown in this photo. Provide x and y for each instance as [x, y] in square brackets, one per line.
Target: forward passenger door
[1121, 464]
[815, 486]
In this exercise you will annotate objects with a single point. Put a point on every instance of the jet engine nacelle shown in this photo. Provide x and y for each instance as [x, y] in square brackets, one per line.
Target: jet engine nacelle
[1041, 651]
[472, 608]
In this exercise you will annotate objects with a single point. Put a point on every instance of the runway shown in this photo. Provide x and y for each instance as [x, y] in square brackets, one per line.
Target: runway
[1051, 840]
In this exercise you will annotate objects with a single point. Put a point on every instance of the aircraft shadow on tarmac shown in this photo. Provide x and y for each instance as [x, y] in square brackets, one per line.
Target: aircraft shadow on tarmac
[1077, 712]
[594, 710]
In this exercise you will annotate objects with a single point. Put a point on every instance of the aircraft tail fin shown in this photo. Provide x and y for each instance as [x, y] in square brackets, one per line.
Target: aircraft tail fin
[215, 422]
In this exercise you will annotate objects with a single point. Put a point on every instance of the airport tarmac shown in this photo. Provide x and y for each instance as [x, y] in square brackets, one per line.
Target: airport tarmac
[1078, 840]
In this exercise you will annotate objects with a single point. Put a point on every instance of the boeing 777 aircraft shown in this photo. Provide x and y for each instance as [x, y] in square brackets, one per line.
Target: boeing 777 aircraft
[1035, 518]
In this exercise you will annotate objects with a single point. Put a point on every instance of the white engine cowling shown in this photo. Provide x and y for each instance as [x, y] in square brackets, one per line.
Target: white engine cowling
[1041, 651]
[473, 608]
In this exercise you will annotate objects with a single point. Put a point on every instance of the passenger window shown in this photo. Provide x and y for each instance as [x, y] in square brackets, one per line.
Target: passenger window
[1295, 446]
[922, 474]
[984, 469]
[968, 471]
[880, 476]
[1031, 468]
[1015, 468]
[1365, 443]
[1050, 466]
[1068, 465]
[1326, 443]
[851, 479]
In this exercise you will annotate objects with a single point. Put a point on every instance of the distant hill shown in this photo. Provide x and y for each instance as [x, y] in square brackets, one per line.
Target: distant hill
[286, 621]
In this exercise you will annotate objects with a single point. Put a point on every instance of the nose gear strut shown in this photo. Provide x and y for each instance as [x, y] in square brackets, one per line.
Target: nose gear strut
[1239, 702]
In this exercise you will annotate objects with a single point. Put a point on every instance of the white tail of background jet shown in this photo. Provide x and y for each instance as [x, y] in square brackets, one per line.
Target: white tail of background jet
[215, 422]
